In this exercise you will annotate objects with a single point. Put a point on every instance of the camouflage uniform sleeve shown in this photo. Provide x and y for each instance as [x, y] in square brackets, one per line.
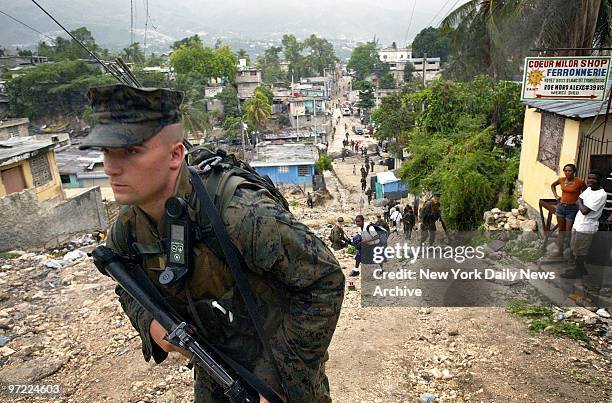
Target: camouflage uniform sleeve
[275, 244]
[139, 318]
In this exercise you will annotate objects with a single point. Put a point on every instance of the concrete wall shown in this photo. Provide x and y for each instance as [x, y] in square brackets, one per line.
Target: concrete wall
[27, 223]
[49, 190]
[19, 129]
[535, 176]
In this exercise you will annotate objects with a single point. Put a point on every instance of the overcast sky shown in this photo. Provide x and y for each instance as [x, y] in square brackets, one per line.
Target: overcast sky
[109, 20]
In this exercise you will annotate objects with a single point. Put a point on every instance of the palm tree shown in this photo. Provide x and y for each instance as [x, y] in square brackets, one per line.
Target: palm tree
[257, 110]
[493, 36]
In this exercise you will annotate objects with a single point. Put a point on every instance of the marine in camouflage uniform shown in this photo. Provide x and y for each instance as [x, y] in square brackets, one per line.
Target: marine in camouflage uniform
[296, 280]
[337, 236]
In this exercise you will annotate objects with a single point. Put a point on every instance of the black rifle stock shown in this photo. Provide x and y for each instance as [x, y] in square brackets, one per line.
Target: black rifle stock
[179, 334]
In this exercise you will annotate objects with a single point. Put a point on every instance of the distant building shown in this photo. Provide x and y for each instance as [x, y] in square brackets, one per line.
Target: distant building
[306, 112]
[81, 168]
[14, 128]
[10, 62]
[391, 55]
[287, 164]
[246, 81]
[398, 58]
[25, 164]
[559, 133]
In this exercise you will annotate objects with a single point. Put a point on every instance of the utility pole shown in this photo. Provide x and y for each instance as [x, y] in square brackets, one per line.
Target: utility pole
[314, 117]
[424, 67]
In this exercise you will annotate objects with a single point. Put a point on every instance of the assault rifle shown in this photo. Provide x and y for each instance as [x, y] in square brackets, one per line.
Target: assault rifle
[180, 333]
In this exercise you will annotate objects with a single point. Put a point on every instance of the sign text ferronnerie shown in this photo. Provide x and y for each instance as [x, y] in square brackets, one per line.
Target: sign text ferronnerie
[565, 78]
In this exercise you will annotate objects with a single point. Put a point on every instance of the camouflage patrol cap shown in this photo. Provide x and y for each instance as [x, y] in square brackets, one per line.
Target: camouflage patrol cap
[128, 116]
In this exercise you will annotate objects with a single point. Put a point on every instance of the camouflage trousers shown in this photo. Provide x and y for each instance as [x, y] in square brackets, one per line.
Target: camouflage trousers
[208, 391]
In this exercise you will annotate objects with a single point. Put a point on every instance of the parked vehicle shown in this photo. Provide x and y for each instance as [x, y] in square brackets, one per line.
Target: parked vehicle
[357, 129]
[345, 111]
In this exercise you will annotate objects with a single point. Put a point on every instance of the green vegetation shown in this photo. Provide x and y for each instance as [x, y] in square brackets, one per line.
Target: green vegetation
[459, 144]
[365, 61]
[323, 164]
[257, 110]
[9, 255]
[543, 319]
[54, 88]
[494, 37]
[305, 58]
[434, 42]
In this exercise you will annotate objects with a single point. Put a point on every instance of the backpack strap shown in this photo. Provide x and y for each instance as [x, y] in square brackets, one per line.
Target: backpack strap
[235, 261]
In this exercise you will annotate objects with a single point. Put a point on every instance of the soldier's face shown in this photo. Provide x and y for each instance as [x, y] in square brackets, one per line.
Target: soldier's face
[142, 175]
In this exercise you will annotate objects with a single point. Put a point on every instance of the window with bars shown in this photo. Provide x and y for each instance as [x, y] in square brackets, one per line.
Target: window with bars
[303, 170]
[283, 169]
[41, 173]
[551, 138]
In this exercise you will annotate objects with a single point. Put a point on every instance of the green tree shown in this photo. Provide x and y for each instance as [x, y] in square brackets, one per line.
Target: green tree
[393, 117]
[226, 62]
[231, 104]
[242, 54]
[365, 61]
[133, 54]
[321, 54]
[231, 127]
[366, 96]
[265, 90]
[435, 42]
[194, 118]
[292, 49]
[257, 110]
[69, 49]
[324, 163]
[408, 72]
[154, 60]
[493, 37]
[51, 89]
[386, 82]
[269, 63]
[460, 144]
[154, 79]
[189, 42]
[196, 59]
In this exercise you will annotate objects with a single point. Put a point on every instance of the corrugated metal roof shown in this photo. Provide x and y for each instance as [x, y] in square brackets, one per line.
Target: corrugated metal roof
[19, 148]
[572, 109]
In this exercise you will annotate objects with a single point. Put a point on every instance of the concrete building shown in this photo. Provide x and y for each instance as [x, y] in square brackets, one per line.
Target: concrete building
[247, 80]
[286, 164]
[558, 133]
[309, 112]
[14, 128]
[81, 168]
[29, 164]
[392, 55]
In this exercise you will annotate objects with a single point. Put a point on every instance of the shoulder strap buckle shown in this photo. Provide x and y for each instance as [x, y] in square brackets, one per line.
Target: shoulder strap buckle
[208, 164]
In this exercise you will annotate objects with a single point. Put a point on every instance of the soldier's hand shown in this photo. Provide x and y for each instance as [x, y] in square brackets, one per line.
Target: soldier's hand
[264, 400]
[158, 333]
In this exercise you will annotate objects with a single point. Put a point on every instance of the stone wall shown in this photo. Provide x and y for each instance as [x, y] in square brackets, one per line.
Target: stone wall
[26, 223]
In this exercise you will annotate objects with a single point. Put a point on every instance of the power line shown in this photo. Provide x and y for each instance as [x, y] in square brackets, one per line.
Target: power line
[26, 25]
[119, 77]
[438, 13]
[409, 23]
[450, 10]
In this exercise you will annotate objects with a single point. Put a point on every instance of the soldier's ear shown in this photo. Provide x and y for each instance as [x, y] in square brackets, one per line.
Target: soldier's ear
[177, 155]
